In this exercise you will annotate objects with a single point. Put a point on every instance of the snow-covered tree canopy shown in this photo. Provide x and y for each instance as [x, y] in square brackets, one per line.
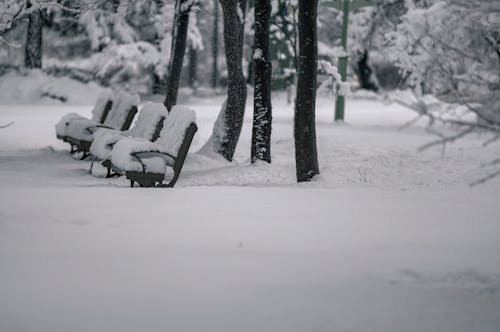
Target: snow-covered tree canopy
[11, 10]
[368, 25]
[452, 49]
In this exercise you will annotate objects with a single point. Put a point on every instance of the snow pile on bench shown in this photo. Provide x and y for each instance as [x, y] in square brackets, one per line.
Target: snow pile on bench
[62, 125]
[100, 105]
[121, 156]
[83, 129]
[147, 121]
[174, 128]
[122, 103]
[145, 127]
[97, 113]
[170, 140]
[102, 142]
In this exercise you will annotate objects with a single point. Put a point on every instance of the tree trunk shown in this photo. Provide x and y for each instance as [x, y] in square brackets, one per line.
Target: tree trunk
[262, 117]
[215, 46]
[179, 38]
[251, 68]
[228, 125]
[306, 155]
[193, 70]
[365, 73]
[33, 56]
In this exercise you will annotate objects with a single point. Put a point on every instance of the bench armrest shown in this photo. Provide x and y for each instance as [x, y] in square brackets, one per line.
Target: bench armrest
[93, 129]
[167, 157]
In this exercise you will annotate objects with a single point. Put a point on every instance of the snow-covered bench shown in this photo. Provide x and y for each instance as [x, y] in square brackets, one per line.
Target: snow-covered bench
[147, 126]
[146, 162]
[99, 113]
[79, 132]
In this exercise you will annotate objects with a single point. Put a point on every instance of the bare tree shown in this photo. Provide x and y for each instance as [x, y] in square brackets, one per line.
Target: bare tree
[215, 45]
[227, 127]
[195, 44]
[306, 156]
[193, 68]
[33, 54]
[261, 131]
[179, 40]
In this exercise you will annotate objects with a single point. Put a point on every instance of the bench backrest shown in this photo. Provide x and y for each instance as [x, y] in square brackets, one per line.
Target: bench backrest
[123, 111]
[149, 121]
[174, 129]
[102, 106]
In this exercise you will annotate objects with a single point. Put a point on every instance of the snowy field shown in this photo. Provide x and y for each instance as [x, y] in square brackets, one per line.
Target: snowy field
[386, 239]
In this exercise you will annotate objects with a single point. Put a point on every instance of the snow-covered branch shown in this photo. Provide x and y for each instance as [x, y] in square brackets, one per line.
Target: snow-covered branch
[333, 85]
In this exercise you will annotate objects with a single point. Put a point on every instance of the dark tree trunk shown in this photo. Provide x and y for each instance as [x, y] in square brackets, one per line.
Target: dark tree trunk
[179, 37]
[262, 116]
[193, 61]
[33, 56]
[228, 125]
[193, 68]
[237, 90]
[215, 45]
[365, 73]
[251, 68]
[306, 155]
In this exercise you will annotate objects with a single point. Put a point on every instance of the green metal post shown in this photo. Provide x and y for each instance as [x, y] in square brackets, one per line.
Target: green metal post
[340, 103]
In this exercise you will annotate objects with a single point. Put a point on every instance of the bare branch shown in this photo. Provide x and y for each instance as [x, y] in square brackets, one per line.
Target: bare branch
[485, 179]
[492, 163]
[3, 41]
[446, 140]
[7, 125]
[492, 140]
[410, 123]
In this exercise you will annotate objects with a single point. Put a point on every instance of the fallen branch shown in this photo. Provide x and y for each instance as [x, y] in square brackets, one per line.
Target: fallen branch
[492, 140]
[7, 125]
[485, 179]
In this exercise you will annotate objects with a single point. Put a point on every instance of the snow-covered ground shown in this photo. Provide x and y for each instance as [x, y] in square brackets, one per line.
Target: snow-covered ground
[386, 239]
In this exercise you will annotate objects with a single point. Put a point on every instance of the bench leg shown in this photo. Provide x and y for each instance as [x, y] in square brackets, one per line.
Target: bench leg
[172, 182]
[78, 154]
[85, 155]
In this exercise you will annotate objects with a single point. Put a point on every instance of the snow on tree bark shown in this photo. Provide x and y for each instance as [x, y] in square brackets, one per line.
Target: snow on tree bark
[261, 130]
[227, 127]
[33, 52]
[306, 156]
[179, 40]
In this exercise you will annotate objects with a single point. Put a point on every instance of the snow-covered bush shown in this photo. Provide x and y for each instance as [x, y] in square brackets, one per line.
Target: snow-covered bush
[127, 65]
[366, 42]
[36, 87]
[452, 50]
